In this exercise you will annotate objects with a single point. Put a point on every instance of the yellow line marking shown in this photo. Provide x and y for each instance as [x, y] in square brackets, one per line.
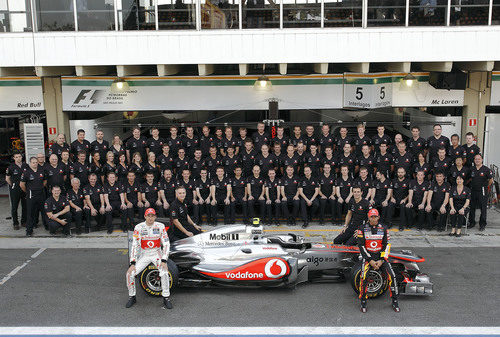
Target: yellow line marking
[123, 251]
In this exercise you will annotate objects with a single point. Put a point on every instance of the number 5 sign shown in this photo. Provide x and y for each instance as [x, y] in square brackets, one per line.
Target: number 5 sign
[367, 91]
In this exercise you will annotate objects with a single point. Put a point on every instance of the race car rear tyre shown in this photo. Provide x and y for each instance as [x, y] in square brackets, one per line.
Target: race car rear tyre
[377, 285]
[151, 282]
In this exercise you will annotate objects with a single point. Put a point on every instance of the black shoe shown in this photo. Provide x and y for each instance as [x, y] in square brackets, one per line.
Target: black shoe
[363, 306]
[166, 303]
[481, 229]
[321, 223]
[305, 224]
[395, 306]
[16, 227]
[401, 228]
[78, 231]
[131, 302]
[29, 234]
[440, 229]
[471, 225]
[390, 226]
[67, 235]
[458, 235]
[452, 234]
[87, 230]
[109, 231]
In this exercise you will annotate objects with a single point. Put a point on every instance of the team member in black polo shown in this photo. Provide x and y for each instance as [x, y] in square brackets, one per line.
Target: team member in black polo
[80, 169]
[342, 139]
[367, 160]
[348, 159]
[482, 178]
[206, 140]
[132, 194]
[59, 146]
[230, 161]
[190, 187]
[181, 163]
[114, 199]
[228, 141]
[212, 162]
[266, 160]
[281, 139]
[297, 136]
[167, 190]
[380, 138]
[441, 163]
[100, 145]
[459, 170]
[13, 178]
[79, 209]
[416, 144]
[184, 226]
[400, 188]
[260, 137]
[329, 159]
[203, 196]
[190, 141]
[421, 165]
[95, 201]
[220, 195]
[456, 150]
[58, 213]
[437, 141]
[247, 155]
[309, 191]
[343, 191]
[360, 140]
[365, 183]
[327, 193]
[155, 142]
[356, 216]
[382, 196]
[310, 138]
[278, 155]
[165, 160]
[55, 174]
[255, 192]
[290, 195]
[437, 201]
[326, 139]
[313, 160]
[33, 183]
[80, 144]
[384, 161]
[471, 149]
[403, 159]
[150, 195]
[196, 164]
[137, 143]
[238, 194]
[273, 199]
[417, 197]
[459, 206]
[290, 159]
[174, 141]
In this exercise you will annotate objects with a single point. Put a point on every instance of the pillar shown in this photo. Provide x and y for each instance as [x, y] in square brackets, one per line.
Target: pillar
[477, 97]
[52, 100]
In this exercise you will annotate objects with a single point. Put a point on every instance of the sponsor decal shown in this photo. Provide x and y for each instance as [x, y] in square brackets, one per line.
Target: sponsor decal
[317, 260]
[228, 237]
[260, 270]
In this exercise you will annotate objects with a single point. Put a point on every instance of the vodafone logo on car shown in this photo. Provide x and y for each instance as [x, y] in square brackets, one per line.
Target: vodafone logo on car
[270, 268]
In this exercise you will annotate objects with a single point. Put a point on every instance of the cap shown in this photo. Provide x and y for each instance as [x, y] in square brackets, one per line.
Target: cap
[373, 212]
[150, 211]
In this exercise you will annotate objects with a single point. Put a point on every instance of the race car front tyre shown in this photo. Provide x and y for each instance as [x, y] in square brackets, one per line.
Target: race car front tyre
[151, 281]
[377, 283]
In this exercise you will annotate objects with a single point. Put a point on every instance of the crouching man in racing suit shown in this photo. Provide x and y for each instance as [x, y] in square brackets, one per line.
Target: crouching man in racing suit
[150, 236]
[372, 240]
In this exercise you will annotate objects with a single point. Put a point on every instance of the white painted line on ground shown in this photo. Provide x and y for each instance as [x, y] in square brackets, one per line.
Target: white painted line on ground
[18, 268]
[334, 330]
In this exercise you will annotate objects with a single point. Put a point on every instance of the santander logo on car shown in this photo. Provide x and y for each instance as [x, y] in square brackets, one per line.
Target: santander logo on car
[258, 270]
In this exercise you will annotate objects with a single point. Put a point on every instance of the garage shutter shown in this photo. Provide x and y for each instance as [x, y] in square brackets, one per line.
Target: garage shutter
[33, 139]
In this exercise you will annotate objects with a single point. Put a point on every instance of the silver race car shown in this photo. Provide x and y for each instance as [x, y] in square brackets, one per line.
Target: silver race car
[243, 256]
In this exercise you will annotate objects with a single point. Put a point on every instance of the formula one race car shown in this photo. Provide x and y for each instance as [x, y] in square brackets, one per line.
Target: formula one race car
[242, 256]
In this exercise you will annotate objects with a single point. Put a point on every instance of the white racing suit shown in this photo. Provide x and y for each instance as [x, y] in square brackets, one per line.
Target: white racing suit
[151, 239]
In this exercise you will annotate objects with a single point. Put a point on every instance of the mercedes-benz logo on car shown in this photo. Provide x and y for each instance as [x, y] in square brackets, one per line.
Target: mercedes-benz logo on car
[271, 272]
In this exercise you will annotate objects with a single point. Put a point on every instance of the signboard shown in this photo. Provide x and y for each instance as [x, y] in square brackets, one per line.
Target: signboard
[495, 88]
[367, 91]
[472, 121]
[21, 94]
[202, 93]
[424, 94]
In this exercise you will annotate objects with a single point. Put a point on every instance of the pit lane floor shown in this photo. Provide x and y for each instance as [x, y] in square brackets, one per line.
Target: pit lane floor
[86, 287]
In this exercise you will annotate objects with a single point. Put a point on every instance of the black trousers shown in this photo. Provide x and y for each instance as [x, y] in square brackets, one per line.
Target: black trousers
[116, 208]
[387, 271]
[419, 216]
[251, 207]
[226, 209]
[54, 225]
[276, 206]
[78, 216]
[341, 209]
[295, 206]
[458, 220]
[347, 238]
[203, 209]
[132, 211]
[404, 213]
[478, 199]
[441, 218]
[17, 196]
[332, 205]
[308, 212]
[99, 218]
[34, 208]
[238, 201]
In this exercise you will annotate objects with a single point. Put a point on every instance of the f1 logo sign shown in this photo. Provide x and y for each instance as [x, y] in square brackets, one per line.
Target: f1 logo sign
[89, 95]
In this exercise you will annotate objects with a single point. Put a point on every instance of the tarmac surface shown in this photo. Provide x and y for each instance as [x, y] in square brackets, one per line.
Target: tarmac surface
[80, 281]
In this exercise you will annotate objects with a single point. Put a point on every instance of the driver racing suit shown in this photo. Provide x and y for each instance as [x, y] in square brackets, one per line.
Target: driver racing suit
[372, 240]
[150, 239]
